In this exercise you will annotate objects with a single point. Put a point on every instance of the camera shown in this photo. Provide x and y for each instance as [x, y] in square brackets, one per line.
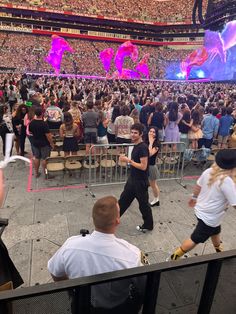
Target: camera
[84, 232]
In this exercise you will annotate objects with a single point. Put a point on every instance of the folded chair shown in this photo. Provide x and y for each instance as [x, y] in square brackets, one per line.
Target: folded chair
[54, 164]
[73, 163]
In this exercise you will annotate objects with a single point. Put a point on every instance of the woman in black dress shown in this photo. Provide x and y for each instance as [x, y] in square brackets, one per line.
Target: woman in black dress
[69, 131]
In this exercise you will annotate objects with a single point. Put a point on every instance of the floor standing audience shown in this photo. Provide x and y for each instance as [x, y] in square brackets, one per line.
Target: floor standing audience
[226, 121]
[5, 125]
[210, 126]
[173, 118]
[69, 132]
[123, 125]
[90, 120]
[42, 141]
[106, 110]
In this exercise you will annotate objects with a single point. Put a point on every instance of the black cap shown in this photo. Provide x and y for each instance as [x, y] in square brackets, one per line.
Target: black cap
[226, 159]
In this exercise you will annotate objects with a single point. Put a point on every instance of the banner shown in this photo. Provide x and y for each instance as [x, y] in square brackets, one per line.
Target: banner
[7, 69]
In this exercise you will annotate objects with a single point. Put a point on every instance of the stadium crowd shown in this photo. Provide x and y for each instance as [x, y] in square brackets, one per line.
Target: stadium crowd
[27, 53]
[194, 113]
[156, 11]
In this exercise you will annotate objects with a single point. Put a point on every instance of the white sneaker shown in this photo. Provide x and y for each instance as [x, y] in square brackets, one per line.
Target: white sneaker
[155, 202]
[142, 229]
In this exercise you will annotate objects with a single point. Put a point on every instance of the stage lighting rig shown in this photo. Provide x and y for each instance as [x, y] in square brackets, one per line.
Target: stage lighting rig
[218, 13]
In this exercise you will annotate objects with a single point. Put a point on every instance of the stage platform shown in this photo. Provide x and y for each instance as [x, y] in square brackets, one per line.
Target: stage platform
[95, 77]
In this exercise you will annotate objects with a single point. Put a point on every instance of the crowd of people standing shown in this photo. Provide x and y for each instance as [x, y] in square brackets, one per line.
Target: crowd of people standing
[146, 114]
[103, 112]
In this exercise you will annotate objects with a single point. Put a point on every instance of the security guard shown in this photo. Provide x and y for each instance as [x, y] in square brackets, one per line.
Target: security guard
[98, 253]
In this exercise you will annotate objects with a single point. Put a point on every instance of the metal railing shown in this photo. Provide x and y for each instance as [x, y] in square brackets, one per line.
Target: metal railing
[106, 169]
[101, 166]
[170, 161]
[104, 165]
[201, 285]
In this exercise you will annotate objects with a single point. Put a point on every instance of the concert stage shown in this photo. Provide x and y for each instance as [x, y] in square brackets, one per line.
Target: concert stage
[96, 77]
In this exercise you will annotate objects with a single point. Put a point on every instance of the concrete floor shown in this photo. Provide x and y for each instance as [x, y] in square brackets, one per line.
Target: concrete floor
[41, 220]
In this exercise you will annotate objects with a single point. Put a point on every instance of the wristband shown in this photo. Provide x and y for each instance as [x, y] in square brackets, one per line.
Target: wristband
[193, 197]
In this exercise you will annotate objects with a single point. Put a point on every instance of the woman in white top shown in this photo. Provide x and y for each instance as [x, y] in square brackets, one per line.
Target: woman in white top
[123, 125]
[215, 190]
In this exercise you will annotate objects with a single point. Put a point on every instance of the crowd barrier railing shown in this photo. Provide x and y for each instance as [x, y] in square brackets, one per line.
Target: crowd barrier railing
[170, 161]
[201, 285]
[105, 167]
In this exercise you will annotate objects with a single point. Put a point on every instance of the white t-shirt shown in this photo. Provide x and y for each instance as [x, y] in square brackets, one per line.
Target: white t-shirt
[213, 201]
[95, 254]
[123, 125]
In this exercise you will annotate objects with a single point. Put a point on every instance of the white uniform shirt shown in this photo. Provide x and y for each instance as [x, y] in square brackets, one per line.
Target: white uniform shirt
[212, 201]
[95, 254]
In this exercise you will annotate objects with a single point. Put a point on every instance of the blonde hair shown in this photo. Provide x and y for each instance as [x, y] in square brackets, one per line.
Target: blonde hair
[218, 173]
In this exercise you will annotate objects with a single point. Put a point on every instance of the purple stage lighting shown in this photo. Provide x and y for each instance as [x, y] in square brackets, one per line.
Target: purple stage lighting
[216, 57]
[106, 57]
[142, 66]
[127, 49]
[58, 46]
[228, 35]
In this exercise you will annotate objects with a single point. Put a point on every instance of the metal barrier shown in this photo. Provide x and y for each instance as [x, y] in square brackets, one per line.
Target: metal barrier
[106, 169]
[170, 161]
[104, 165]
[101, 167]
[199, 285]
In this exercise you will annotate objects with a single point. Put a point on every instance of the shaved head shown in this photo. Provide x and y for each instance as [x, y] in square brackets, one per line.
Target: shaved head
[106, 213]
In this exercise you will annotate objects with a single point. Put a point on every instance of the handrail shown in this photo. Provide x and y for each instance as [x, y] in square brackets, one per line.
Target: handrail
[111, 276]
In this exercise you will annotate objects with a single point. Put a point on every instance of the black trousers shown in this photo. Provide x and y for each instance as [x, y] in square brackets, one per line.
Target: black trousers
[111, 138]
[22, 140]
[137, 189]
[205, 142]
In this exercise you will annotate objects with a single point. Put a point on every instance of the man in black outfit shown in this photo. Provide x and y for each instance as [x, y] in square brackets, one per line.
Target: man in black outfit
[137, 183]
